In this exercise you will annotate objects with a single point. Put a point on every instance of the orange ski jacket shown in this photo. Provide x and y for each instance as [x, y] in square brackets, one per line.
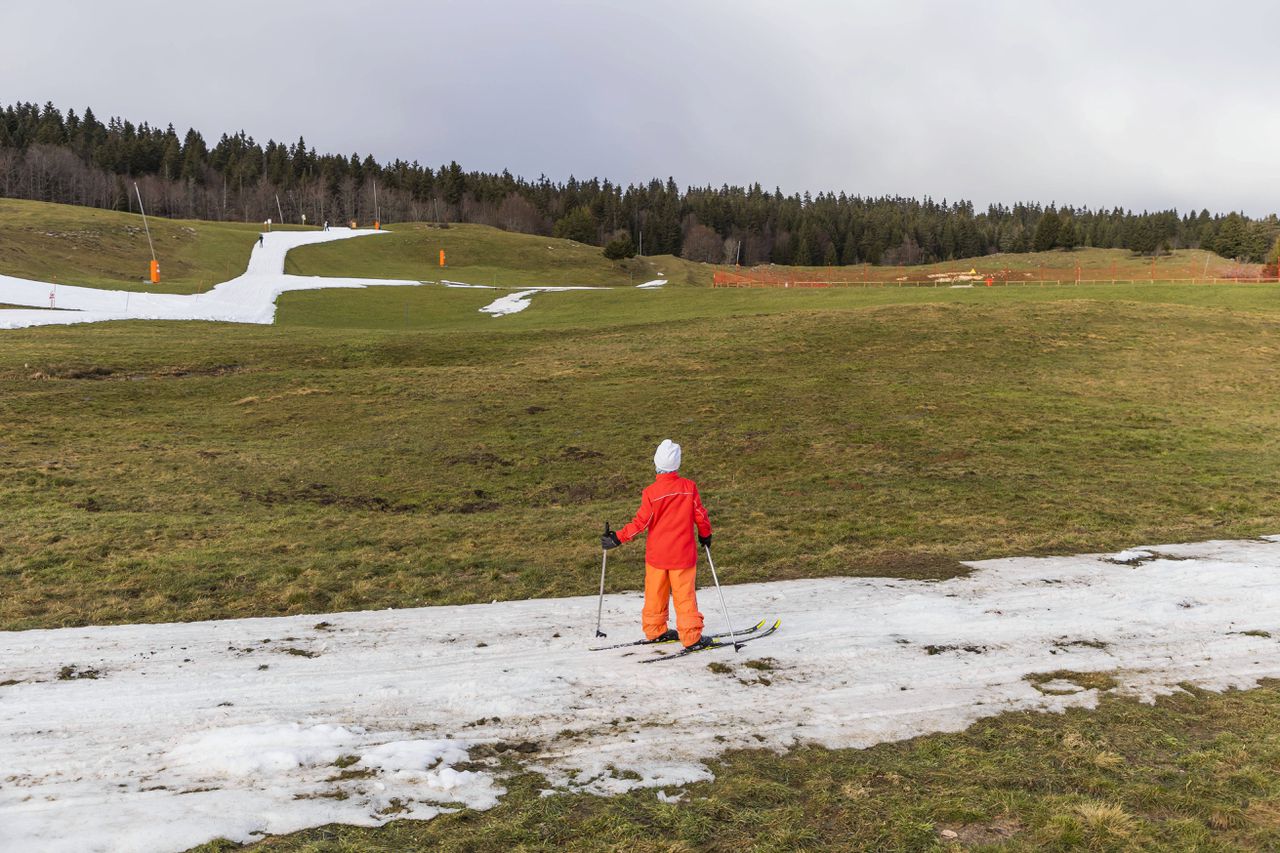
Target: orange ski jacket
[670, 509]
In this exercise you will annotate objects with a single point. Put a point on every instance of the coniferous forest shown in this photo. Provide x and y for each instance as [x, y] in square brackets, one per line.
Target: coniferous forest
[74, 158]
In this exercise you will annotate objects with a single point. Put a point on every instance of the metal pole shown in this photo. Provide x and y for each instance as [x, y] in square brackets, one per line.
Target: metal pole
[144, 221]
[278, 210]
[604, 561]
[723, 608]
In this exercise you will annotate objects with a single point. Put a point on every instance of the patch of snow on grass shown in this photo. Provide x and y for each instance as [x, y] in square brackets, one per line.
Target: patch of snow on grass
[657, 282]
[513, 303]
[186, 736]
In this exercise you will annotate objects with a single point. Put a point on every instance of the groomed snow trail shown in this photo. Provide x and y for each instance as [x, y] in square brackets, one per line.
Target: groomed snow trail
[248, 298]
[159, 737]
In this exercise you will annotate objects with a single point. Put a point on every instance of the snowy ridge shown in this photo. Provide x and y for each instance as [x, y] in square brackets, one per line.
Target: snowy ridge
[249, 298]
[159, 737]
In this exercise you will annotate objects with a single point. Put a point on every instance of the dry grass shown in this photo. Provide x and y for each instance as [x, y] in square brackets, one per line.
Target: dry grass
[176, 472]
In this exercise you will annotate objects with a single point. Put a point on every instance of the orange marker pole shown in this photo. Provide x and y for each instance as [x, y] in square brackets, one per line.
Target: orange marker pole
[155, 271]
[442, 257]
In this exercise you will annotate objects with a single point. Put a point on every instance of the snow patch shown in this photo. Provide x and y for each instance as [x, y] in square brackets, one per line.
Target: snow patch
[513, 303]
[1131, 556]
[262, 749]
[657, 282]
[183, 737]
[406, 756]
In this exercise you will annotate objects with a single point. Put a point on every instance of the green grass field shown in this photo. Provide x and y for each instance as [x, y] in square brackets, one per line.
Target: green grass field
[393, 447]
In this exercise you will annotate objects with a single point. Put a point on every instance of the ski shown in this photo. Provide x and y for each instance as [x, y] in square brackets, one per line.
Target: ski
[742, 633]
[747, 639]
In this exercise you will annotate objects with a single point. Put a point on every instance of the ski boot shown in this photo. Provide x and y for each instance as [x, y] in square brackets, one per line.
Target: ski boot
[700, 644]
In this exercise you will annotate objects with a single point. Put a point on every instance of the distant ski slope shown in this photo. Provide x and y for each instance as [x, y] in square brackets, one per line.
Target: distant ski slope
[249, 298]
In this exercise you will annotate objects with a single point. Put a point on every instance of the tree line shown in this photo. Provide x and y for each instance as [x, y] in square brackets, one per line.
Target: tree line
[77, 159]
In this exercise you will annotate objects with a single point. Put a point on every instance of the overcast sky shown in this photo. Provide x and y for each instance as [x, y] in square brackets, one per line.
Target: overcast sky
[1138, 104]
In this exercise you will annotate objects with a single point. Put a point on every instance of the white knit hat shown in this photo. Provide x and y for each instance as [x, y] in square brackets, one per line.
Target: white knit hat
[668, 457]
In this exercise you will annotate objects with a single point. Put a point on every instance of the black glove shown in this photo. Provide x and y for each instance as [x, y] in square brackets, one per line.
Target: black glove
[705, 541]
[609, 539]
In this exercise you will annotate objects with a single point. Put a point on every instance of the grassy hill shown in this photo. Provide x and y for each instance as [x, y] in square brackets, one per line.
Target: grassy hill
[98, 248]
[103, 248]
[1084, 265]
[478, 254]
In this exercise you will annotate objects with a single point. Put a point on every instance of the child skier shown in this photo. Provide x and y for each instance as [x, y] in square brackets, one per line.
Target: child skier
[670, 509]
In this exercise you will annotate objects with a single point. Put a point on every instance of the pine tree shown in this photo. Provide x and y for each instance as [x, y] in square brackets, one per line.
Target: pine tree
[1047, 231]
[620, 247]
[1067, 237]
[576, 225]
[1230, 238]
[51, 131]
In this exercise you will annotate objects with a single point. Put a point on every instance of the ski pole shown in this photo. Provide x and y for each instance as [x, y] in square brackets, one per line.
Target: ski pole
[604, 561]
[710, 562]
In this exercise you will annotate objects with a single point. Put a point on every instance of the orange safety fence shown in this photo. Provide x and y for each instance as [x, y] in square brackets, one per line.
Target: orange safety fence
[865, 277]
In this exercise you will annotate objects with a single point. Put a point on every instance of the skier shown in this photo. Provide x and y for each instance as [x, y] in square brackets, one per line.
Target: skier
[670, 509]
[260, 236]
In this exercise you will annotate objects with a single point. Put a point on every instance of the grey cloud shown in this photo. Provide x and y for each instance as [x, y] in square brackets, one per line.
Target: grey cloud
[1130, 103]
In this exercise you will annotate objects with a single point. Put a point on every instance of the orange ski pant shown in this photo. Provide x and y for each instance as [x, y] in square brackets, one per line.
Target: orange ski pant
[680, 585]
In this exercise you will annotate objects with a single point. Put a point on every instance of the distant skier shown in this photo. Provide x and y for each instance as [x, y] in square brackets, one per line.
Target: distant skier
[670, 509]
[260, 236]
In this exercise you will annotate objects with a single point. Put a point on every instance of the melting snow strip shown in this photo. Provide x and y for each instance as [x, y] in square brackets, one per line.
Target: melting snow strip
[160, 737]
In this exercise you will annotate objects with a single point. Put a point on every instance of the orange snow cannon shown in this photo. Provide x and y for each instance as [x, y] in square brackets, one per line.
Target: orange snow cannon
[155, 271]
